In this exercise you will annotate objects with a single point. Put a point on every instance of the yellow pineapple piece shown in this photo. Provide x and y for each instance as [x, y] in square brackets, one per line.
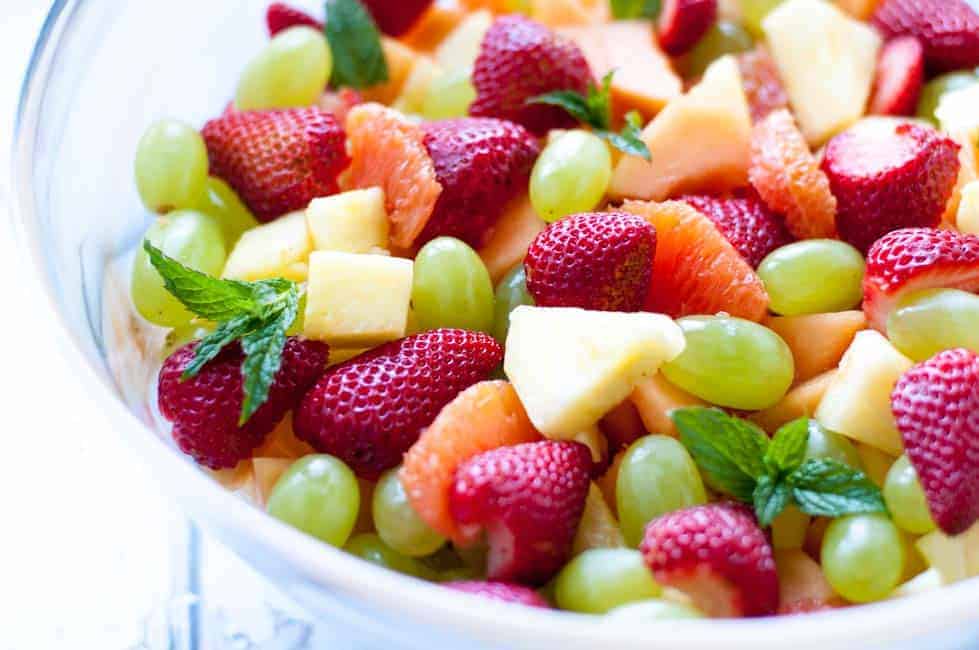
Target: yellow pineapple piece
[278, 249]
[415, 88]
[352, 222]
[598, 527]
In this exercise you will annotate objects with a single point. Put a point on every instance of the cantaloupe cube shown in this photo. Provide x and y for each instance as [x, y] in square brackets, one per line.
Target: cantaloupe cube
[511, 237]
[655, 398]
[267, 472]
[461, 47]
[554, 13]
[817, 341]
[598, 527]
[435, 24]
[800, 580]
[278, 249]
[357, 300]
[401, 60]
[801, 401]
[859, 9]
[875, 463]
[352, 222]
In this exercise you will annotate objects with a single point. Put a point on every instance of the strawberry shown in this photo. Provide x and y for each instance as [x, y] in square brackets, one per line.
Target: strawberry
[936, 406]
[718, 555]
[889, 175]
[762, 84]
[280, 16]
[502, 591]
[529, 499]
[277, 161]
[601, 261]
[913, 259]
[205, 409]
[481, 163]
[396, 17]
[744, 221]
[371, 409]
[900, 77]
[948, 29]
[682, 23]
[520, 59]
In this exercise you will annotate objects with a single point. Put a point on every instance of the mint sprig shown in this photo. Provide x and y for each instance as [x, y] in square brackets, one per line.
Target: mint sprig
[629, 9]
[738, 459]
[595, 110]
[358, 58]
[256, 313]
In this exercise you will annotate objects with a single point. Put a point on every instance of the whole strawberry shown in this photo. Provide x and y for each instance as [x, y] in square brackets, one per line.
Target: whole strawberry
[277, 161]
[682, 23]
[520, 59]
[371, 409]
[529, 499]
[280, 17]
[718, 555]
[205, 409]
[505, 592]
[596, 260]
[744, 221]
[481, 163]
[395, 17]
[936, 406]
[948, 29]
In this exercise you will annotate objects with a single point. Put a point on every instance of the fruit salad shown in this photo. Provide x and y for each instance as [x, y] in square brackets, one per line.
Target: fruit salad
[648, 310]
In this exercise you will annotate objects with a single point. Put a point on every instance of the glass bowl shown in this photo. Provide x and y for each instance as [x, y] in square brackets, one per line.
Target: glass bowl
[101, 71]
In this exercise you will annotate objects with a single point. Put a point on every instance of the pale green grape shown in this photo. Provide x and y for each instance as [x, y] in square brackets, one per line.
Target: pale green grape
[813, 276]
[170, 166]
[449, 95]
[571, 175]
[511, 292]
[724, 37]
[397, 522]
[451, 287]
[220, 201]
[732, 362]
[753, 12]
[657, 476]
[318, 495]
[863, 557]
[602, 579]
[653, 610]
[370, 547]
[291, 71]
[934, 90]
[923, 323]
[191, 238]
[905, 498]
[824, 443]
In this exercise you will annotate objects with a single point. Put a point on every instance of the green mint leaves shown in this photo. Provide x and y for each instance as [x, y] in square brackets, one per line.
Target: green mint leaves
[738, 459]
[629, 9]
[358, 58]
[594, 109]
[256, 313]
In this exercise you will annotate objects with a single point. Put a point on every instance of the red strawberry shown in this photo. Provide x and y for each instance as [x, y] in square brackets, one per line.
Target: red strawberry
[395, 17]
[682, 23]
[204, 410]
[529, 499]
[889, 175]
[280, 16]
[948, 29]
[596, 260]
[277, 161]
[936, 406]
[917, 258]
[371, 409]
[718, 555]
[502, 591]
[900, 77]
[520, 59]
[481, 164]
[744, 221]
[762, 84]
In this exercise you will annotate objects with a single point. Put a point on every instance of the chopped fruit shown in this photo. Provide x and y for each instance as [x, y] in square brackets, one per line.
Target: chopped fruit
[451, 288]
[718, 556]
[623, 425]
[205, 409]
[401, 61]
[834, 333]
[682, 23]
[340, 102]
[948, 29]
[483, 417]
[699, 142]
[934, 405]
[500, 591]
[571, 366]
[655, 398]
[967, 218]
[433, 27]
[357, 301]
[520, 59]
[319, 496]
[863, 556]
[859, 9]
[282, 442]
[905, 498]
[857, 401]
[461, 47]
[277, 161]
[602, 579]
[274, 250]
[509, 240]
[789, 271]
[265, 473]
[696, 270]
[388, 151]
[745, 221]
[396, 18]
[571, 174]
[801, 584]
[290, 72]
[724, 37]
[789, 529]
[607, 482]
[924, 323]
[280, 17]
[888, 175]
[352, 222]
[554, 13]
[875, 463]
[762, 83]
[954, 558]
[900, 77]
[968, 174]
[955, 111]
[370, 423]
[598, 527]
[415, 91]
[809, 37]
[801, 401]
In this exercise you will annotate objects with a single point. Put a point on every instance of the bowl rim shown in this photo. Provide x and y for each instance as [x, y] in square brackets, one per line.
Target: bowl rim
[314, 563]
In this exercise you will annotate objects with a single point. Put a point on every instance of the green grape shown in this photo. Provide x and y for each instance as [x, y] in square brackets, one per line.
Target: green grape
[571, 175]
[599, 580]
[824, 443]
[905, 498]
[181, 336]
[931, 94]
[291, 71]
[813, 276]
[397, 522]
[653, 610]
[923, 323]
[657, 476]
[320, 496]
[220, 201]
[191, 238]
[724, 37]
[451, 287]
[511, 292]
[863, 557]
[753, 12]
[170, 166]
[449, 95]
[370, 547]
[732, 362]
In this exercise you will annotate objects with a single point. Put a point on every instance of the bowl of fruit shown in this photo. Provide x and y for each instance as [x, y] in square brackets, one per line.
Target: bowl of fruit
[540, 323]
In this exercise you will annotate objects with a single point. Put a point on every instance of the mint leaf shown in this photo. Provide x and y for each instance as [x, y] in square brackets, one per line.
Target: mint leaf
[212, 344]
[628, 9]
[828, 488]
[572, 102]
[263, 356]
[630, 139]
[788, 447]
[358, 58]
[770, 498]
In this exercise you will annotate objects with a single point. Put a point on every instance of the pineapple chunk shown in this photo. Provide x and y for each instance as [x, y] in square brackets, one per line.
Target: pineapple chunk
[597, 527]
[352, 222]
[858, 401]
[461, 47]
[571, 366]
[278, 249]
[413, 93]
[955, 558]
[967, 219]
[357, 300]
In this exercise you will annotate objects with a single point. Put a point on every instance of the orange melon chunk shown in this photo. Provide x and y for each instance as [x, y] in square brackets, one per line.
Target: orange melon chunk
[817, 341]
[801, 401]
[511, 237]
